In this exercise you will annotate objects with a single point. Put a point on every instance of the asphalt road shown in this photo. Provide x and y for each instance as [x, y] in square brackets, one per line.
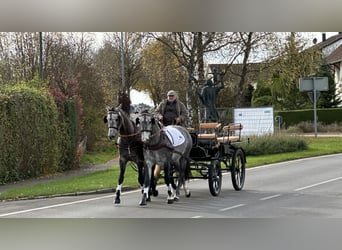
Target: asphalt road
[310, 188]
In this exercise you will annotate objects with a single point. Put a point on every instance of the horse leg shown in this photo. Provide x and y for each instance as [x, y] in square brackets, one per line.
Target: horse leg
[179, 182]
[187, 173]
[167, 177]
[154, 180]
[147, 183]
[141, 174]
[186, 189]
[120, 181]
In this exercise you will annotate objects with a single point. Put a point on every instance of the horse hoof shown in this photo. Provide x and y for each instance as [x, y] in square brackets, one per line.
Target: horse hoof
[117, 201]
[176, 198]
[148, 199]
[188, 194]
[155, 193]
[170, 201]
[143, 200]
[143, 203]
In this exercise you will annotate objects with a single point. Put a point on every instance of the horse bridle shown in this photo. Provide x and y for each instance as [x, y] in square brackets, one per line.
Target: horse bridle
[111, 112]
[145, 122]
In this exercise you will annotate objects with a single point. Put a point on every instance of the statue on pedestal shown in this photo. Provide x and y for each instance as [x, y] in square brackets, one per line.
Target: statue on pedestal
[208, 97]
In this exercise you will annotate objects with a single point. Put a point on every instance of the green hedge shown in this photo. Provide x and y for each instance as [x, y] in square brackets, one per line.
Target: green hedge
[274, 144]
[30, 135]
[69, 144]
[325, 116]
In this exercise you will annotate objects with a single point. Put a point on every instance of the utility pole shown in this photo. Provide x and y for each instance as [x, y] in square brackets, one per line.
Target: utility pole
[123, 80]
[41, 55]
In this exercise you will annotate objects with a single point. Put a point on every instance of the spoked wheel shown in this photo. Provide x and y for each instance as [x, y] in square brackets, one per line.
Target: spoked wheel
[215, 178]
[237, 169]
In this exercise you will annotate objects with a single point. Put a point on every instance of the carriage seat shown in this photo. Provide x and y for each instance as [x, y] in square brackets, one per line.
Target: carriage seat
[208, 130]
[231, 133]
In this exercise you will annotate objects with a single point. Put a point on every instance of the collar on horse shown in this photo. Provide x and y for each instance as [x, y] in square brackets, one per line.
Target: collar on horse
[164, 142]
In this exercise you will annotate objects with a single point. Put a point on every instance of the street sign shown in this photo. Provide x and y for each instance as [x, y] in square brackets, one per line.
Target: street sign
[311, 95]
[313, 83]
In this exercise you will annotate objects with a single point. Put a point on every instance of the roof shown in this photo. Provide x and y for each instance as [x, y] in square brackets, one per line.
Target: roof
[329, 41]
[335, 56]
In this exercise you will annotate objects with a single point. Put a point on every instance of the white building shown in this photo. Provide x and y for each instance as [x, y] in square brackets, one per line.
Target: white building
[332, 53]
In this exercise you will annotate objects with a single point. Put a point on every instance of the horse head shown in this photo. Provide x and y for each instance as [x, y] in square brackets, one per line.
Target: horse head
[114, 121]
[148, 125]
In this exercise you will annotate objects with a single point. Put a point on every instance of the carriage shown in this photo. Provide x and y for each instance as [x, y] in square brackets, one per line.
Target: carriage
[208, 152]
[215, 149]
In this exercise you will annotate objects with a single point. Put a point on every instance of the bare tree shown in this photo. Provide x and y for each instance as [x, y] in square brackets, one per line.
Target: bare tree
[189, 49]
[20, 52]
[131, 45]
[161, 71]
[248, 57]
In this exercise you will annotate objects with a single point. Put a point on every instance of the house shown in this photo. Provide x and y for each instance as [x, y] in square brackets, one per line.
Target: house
[331, 52]
[331, 49]
[335, 60]
[329, 45]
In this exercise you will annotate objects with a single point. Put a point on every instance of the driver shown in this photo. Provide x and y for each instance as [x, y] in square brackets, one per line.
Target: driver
[172, 111]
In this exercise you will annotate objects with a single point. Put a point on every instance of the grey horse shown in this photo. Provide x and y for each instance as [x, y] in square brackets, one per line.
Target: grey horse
[161, 149]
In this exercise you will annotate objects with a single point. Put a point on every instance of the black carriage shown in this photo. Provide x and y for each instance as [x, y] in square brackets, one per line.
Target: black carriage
[216, 150]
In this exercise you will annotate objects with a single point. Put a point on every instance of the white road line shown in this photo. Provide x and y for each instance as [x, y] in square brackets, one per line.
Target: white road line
[270, 197]
[195, 217]
[53, 206]
[65, 204]
[317, 184]
[229, 208]
[291, 161]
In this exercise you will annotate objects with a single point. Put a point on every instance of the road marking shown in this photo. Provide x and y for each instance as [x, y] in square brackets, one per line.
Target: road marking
[317, 184]
[270, 197]
[53, 206]
[65, 204]
[195, 217]
[277, 164]
[229, 208]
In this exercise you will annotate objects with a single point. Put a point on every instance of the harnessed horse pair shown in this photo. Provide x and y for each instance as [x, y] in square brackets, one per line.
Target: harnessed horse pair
[145, 143]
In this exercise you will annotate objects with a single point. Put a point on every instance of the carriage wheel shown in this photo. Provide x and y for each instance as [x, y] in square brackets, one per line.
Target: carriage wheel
[237, 169]
[215, 178]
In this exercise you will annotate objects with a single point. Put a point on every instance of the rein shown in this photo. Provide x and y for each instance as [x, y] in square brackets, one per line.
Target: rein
[128, 135]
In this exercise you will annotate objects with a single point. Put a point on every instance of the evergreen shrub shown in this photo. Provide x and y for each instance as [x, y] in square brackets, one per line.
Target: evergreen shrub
[29, 133]
[325, 116]
[274, 144]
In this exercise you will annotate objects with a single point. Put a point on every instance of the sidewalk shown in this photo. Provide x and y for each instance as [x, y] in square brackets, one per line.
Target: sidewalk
[85, 169]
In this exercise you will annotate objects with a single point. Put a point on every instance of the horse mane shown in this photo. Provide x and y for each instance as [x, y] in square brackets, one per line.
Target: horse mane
[148, 112]
[124, 101]
[126, 121]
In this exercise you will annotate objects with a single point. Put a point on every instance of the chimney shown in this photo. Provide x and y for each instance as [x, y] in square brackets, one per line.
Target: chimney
[324, 37]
